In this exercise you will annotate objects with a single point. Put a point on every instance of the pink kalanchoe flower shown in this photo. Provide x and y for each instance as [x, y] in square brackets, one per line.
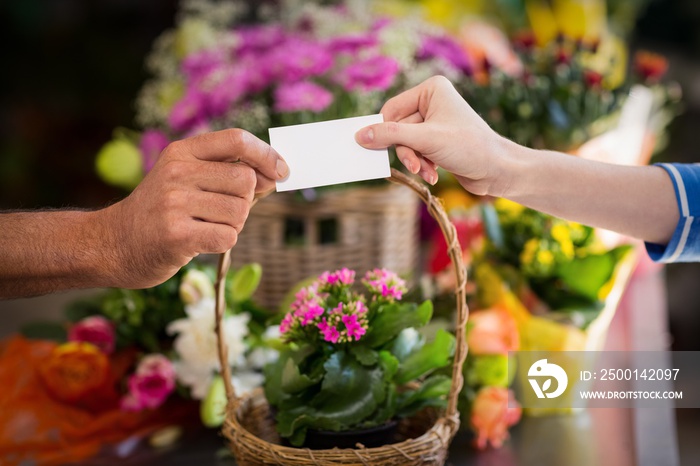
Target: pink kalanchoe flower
[302, 96]
[150, 385]
[151, 145]
[96, 330]
[385, 284]
[340, 277]
[313, 312]
[353, 327]
[376, 73]
[330, 332]
[286, 323]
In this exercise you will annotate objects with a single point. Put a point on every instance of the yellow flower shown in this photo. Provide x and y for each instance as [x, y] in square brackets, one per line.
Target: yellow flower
[528, 255]
[562, 235]
[510, 208]
[545, 257]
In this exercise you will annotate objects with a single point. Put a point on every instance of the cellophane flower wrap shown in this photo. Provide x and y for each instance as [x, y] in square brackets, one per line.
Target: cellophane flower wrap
[351, 346]
[298, 62]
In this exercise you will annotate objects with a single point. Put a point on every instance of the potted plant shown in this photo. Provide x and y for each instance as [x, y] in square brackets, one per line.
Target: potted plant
[351, 352]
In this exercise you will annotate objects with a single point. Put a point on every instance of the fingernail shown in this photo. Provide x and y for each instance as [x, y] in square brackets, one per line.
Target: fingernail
[365, 136]
[415, 168]
[282, 168]
[433, 179]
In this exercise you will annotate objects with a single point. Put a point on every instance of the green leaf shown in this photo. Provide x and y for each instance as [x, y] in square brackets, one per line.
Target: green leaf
[349, 394]
[213, 408]
[430, 357]
[432, 392]
[244, 282]
[366, 356]
[292, 381]
[273, 379]
[394, 318]
[587, 275]
[44, 331]
[488, 370]
[408, 341]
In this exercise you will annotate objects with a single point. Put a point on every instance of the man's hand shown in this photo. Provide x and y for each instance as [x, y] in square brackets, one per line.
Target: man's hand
[195, 200]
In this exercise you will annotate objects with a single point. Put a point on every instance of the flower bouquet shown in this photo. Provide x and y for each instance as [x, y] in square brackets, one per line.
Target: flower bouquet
[349, 360]
[131, 362]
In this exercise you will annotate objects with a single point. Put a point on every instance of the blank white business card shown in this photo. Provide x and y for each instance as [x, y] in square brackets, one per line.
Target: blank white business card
[326, 153]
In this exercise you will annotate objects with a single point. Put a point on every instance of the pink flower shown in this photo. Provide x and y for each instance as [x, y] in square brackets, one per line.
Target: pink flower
[152, 144]
[371, 74]
[256, 39]
[188, 111]
[343, 276]
[492, 331]
[150, 385]
[491, 417]
[286, 323]
[354, 328]
[297, 59]
[352, 43]
[330, 332]
[301, 96]
[385, 283]
[313, 312]
[96, 330]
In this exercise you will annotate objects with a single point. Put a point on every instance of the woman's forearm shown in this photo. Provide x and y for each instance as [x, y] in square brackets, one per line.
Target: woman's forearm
[635, 201]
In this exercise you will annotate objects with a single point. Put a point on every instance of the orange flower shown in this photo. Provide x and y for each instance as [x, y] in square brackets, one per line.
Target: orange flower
[491, 417]
[492, 331]
[74, 370]
[650, 66]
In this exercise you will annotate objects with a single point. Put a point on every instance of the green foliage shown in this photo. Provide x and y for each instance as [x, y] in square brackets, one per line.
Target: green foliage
[360, 384]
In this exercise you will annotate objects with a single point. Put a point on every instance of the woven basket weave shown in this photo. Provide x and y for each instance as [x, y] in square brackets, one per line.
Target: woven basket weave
[250, 427]
[375, 227]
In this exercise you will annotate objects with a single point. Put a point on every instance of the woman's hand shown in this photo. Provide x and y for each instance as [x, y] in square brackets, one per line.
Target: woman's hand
[431, 125]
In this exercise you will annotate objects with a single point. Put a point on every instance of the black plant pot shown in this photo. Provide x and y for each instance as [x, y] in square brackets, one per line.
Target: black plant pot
[371, 438]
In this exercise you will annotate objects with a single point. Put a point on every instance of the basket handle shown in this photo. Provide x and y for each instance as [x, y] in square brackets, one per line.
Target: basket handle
[437, 211]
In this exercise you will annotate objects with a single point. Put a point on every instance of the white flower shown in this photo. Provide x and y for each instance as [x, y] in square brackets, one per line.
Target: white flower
[197, 348]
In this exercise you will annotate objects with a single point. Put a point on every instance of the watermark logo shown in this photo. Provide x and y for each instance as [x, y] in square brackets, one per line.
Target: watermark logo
[542, 370]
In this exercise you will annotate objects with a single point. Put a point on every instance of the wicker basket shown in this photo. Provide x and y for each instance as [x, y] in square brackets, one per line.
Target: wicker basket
[250, 427]
[370, 227]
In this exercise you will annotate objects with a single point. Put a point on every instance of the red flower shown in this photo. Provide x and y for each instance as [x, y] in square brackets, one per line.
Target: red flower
[651, 67]
[524, 40]
[96, 330]
[592, 78]
[562, 56]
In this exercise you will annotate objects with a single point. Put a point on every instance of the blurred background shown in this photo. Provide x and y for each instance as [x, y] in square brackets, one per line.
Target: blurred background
[72, 69]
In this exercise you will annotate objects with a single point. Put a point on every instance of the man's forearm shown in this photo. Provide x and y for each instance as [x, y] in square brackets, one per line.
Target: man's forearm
[636, 201]
[42, 252]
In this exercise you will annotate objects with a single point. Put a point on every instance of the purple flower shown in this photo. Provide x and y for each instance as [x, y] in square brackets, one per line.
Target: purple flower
[353, 327]
[151, 145]
[445, 48]
[256, 39]
[201, 64]
[226, 92]
[188, 111]
[330, 332]
[372, 74]
[297, 59]
[352, 43]
[300, 96]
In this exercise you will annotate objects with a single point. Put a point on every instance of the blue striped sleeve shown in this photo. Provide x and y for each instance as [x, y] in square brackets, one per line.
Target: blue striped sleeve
[685, 243]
